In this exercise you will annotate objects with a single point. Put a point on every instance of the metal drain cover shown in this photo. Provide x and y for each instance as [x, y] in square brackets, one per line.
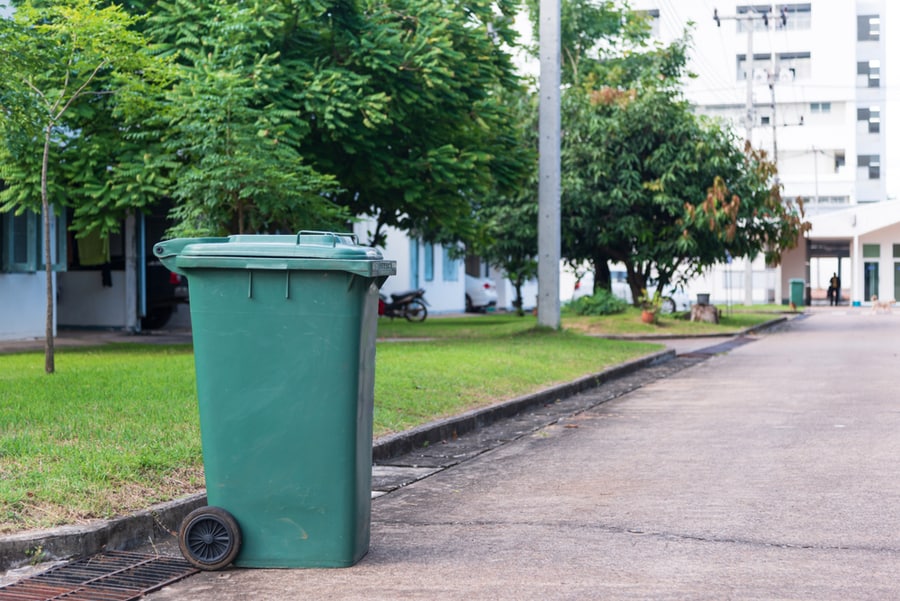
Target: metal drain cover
[110, 576]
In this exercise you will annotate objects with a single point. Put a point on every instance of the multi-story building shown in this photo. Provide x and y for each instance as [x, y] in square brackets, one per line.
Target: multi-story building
[805, 82]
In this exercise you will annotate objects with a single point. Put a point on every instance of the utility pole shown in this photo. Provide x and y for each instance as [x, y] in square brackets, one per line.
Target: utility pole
[549, 235]
[748, 19]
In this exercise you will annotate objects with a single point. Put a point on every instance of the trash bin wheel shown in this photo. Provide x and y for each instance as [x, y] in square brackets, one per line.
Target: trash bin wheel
[416, 311]
[210, 538]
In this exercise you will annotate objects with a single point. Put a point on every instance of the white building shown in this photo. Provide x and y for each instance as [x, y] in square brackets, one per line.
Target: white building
[813, 95]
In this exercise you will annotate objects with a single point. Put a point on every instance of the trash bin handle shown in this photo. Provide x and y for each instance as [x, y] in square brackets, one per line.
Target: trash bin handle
[334, 237]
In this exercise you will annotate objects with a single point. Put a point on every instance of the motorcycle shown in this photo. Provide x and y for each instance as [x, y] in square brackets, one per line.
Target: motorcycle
[410, 304]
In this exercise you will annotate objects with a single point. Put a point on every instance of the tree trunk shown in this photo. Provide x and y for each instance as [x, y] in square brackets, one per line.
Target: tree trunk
[49, 351]
[517, 304]
[637, 282]
[602, 276]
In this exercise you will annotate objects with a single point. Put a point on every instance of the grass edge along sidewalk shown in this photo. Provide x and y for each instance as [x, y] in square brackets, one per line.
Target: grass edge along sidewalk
[162, 520]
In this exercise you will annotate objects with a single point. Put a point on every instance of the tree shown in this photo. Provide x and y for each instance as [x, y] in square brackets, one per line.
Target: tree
[65, 58]
[507, 223]
[399, 102]
[404, 100]
[228, 145]
[644, 178]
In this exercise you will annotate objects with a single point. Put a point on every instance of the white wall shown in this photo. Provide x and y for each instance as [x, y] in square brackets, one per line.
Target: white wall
[85, 302]
[23, 305]
[442, 295]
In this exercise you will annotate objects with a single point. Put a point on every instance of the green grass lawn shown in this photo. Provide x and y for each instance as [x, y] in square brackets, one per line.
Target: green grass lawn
[116, 428]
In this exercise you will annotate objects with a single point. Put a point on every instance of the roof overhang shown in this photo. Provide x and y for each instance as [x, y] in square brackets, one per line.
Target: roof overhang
[857, 220]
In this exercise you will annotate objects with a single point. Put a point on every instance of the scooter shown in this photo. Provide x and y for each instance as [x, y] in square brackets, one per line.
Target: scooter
[410, 304]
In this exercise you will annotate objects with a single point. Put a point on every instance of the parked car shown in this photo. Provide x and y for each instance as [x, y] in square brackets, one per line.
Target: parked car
[481, 294]
[165, 290]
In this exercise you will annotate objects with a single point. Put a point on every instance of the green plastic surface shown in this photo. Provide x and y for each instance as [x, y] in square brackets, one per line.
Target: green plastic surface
[285, 357]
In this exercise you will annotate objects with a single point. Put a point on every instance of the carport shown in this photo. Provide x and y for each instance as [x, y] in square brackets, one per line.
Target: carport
[865, 239]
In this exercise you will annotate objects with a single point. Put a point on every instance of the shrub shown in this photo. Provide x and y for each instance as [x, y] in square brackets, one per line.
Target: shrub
[601, 303]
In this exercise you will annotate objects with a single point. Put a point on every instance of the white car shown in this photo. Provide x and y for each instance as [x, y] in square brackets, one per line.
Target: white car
[481, 293]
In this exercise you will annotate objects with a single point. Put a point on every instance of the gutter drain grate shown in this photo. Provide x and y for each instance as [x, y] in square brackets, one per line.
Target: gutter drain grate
[110, 576]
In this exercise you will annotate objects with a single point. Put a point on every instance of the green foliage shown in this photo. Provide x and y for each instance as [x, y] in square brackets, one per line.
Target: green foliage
[651, 185]
[602, 302]
[80, 71]
[231, 148]
[405, 104]
[507, 222]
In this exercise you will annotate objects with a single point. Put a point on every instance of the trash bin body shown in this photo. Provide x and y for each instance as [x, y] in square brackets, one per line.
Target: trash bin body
[284, 348]
[797, 289]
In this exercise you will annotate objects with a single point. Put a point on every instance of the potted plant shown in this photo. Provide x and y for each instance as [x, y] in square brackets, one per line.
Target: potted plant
[650, 306]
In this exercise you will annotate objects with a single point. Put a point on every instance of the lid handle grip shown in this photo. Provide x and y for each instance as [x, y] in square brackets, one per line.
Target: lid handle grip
[335, 238]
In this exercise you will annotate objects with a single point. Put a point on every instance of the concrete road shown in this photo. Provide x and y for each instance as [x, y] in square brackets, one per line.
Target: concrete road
[769, 472]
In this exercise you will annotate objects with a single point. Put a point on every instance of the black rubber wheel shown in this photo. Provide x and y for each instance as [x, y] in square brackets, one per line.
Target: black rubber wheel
[668, 305]
[156, 318]
[210, 538]
[416, 311]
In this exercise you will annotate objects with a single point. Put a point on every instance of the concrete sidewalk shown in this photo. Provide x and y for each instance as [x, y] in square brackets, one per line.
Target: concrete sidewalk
[767, 472]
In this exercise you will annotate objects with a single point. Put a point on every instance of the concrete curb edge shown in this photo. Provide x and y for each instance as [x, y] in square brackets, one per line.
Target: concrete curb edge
[125, 532]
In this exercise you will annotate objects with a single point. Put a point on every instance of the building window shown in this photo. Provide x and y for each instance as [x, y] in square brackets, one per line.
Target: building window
[760, 67]
[868, 28]
[413, 263]
[429, 262]
[872, 115]
[784, 16]
[757, 14]
[871, 251]
[652, 17]
[793, 16]
[871, 162]
[450, 270]
[870, 72]
[791, 66]
[840, 159]
[819, 107]
[870, 275]
[22, 242]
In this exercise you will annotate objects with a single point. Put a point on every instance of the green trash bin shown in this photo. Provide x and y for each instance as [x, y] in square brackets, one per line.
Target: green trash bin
[284, 347]
[797, 289]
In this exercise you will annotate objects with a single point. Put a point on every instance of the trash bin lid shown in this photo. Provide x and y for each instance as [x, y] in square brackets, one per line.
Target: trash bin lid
[306, 250]
[317, 245]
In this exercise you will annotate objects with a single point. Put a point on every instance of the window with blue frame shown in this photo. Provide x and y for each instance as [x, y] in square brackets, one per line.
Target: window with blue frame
[450, 267]
[414, 263]
[22, 242]
[429, 262]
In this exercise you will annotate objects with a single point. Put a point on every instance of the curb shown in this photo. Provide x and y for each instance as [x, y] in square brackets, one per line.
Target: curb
[122, 533]
[395, 445]
[164, 520]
